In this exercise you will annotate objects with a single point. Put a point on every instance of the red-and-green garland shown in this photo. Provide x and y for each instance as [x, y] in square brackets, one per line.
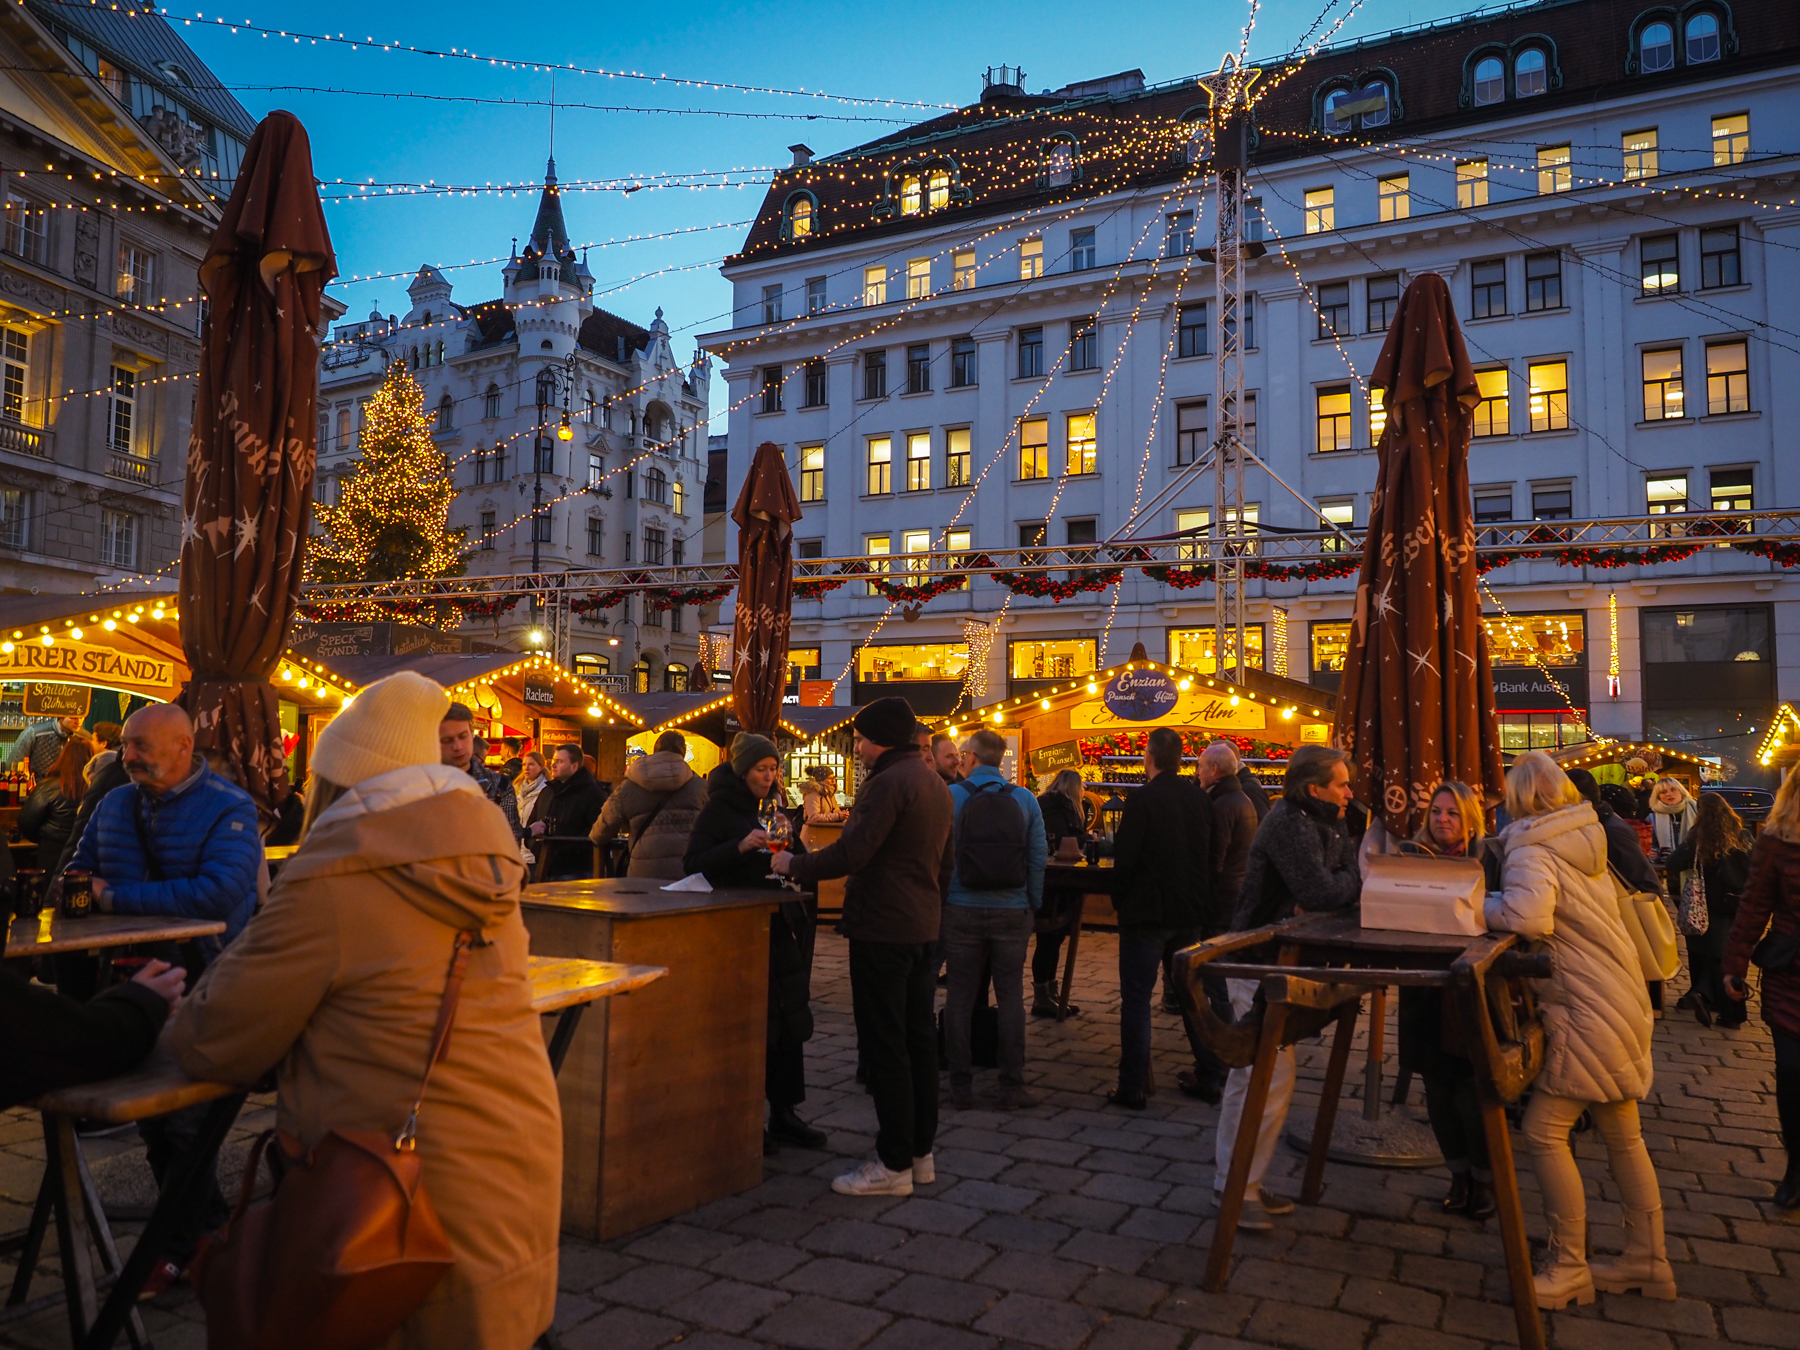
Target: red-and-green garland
[1041, 584]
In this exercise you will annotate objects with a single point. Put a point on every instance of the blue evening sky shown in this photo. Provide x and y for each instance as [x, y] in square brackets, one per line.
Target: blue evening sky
[928, 51]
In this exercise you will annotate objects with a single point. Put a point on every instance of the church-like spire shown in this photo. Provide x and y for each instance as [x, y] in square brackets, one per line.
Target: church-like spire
[549, 235]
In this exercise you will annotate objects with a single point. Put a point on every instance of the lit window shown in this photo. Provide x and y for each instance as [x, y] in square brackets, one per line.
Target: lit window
[1530, 75]
[1193, 648]
[1334, 418]
[914, 543]
[911, 199]
[1178, 234]
[122, 411]
[1554, 171]
[1659, 264]
[1031, 259]
[1543, 282]
[964, 263]
[1083, 456]
[1321, 212]
[941, 661]
[1667, 496]
[1549, 385]
[1656, 48]
[1034, 448]
[874, 285]
[1191, 435]
[918, 461]
[956, 457]
[1719, 258]
[1490, 81]
[1640, 154]
[881, 465]
[1395, 196]
[1662, 384]
[1491, 417]
[800, 217]
[1191, 525]
[1383, 299]
[1732, 490]
[918, 278]
[1062, 659]
[1487, 289]
[1377, 416]
[937, 190]
[1471, 183]
[876, 547]
[1727, 378]
[1340, 512]
[1731, 139]
[1702, 36]
[812, 473]
[15, 371]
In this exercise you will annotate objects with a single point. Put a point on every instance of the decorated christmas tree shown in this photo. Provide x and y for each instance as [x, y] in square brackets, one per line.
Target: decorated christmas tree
[391, 519]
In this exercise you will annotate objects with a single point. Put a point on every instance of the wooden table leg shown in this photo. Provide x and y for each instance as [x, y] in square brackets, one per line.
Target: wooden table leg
[72, 1244]
[33, 1244]
[103, 1239]
[1243, 1152]
[1372, 1070]
[568, 1022]
[1512, 1221]
[1068, 979]
[1326, 1120]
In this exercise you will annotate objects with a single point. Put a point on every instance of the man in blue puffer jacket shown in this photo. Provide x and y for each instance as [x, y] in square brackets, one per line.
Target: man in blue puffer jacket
[181, 842]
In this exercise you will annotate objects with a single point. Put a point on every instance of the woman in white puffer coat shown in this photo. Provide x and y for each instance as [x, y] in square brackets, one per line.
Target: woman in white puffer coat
[1597, 1025]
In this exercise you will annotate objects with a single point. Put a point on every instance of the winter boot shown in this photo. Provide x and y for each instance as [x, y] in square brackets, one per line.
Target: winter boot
[1562, 1275]
[1043, 1001]
[1645, 1264]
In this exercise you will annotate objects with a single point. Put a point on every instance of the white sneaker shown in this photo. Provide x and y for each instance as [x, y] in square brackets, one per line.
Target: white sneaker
[924, 1171]
[873, 1178]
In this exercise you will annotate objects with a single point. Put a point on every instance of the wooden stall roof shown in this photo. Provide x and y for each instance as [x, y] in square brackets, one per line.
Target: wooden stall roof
[1783, 739]
[809, 723]
[667, 709]
[1590, 753]
[462, 673]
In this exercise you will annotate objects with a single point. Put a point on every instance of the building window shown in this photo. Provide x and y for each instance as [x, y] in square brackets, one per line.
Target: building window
[875, 285]
[1530, 74]
[15, 372]
[1543, 281]
[446, 414]
[815, 295]
[1249, 316]
[1490, 81]
[1191, 330]
[1333, 405]
[771, 389]
[1487, 289]
[963, 270]
[1193, 648]
[800, 217]
[1640, 154]
[654, 543]
[122, 412]
[541, 527]
[1081, 250]
[918, 278]
[1659, 264]
[1393, 195]
[914, 544]
[1339, 512]
[881, 466]
[678, 499]
[876, 547]
[937, 190]
[1656, 48]
[594, 532]
[137, 267]
[1702, 37]
[1031, 259]
[1662, 384]
[1666, 496]
[875, 374]
[596, 474]
[918, 461]
[1491, 416]
[1553, 168]
[1552, 502]
[1383, 299]
[15, 518]
[1727, 378]
[343, 441]
[1731, 138]
[918, 368]
[812, 473]
[656, 486]
[1178, 234]
[1377, 415]
[956, 457]
[1191, 438]
[1493, 505]
[1031, 353]
[932, 661]
[1032, 534]
[771, 304]
[1548, 382]
[1058, 659]
[1059, 164]
[1321, 210]
[912, 195]
[815, 383]
[1719, 258]
[1246, 427]
[118, 540]
[1083, 456]
[812, 548]
[1034, 448]
[1732, 490]
[490, 403]
[1333, 302]
[962, 363]
[1084, 345]
[1471, 183]
[27, 228]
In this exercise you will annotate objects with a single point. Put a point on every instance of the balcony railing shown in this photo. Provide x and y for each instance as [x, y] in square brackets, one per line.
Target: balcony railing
[132, 469]
[24, 440]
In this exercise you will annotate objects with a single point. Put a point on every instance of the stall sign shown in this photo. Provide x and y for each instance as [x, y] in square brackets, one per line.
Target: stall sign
[57, 700]
[1135, 699]
[538, 693]
[550, 737]
[1054, 758]
[84, 663]
[1315, 733]
[817, 693]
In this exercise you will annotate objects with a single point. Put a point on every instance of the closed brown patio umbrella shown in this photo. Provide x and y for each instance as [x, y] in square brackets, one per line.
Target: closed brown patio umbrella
[1417, 700]
[765, 514]
[248, 499]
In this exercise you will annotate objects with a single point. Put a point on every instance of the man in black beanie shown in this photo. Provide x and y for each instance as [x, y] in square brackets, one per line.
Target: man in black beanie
[895, 850]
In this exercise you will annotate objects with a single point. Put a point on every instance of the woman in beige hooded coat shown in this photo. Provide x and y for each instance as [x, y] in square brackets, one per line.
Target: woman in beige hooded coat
[1555, 887]
[337, 981]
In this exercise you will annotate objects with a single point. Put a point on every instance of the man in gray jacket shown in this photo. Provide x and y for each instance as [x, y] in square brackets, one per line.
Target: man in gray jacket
[658, 803]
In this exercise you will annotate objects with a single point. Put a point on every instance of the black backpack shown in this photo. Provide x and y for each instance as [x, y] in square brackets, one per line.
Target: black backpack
[990, 840]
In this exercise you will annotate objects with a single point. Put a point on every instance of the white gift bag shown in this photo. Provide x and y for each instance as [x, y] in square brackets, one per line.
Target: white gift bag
[1414, 894]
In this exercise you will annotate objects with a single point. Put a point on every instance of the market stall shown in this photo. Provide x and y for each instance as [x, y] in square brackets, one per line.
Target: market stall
[1636, 764]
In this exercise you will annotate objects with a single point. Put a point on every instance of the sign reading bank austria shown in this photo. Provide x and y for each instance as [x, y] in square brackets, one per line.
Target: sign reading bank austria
[1136, 699]
[70, 662]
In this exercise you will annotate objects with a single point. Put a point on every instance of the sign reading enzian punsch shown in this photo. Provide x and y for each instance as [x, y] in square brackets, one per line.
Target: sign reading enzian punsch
[1135, 699]
[70, 662]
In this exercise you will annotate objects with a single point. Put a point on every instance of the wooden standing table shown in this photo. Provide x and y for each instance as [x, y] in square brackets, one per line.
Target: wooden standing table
[1079, 881]
[50, 932]
[662, 1096]
[1323, 966]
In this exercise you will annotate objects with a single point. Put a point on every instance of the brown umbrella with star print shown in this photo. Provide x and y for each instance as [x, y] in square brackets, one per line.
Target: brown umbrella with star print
[1416, 704]
[248, 499]
[765, 514]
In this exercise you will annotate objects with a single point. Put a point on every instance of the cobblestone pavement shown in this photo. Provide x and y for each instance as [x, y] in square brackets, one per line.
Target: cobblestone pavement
[1077, 1225]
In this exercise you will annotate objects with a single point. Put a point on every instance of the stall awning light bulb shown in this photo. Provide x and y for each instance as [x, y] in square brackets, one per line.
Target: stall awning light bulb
[1287, 714]
[1093, 688]
[110, 625]
[1234, 700]
[75, 633]
[47, 640]
[594, 710]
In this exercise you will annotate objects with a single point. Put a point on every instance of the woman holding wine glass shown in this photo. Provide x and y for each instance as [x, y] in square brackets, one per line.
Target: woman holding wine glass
[739, 831]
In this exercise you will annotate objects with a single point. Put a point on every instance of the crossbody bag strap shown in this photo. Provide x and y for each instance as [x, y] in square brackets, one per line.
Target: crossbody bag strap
[407, 1140]
[152, 869]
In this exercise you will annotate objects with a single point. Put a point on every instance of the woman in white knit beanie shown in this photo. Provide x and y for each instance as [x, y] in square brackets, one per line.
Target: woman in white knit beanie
[338, 978]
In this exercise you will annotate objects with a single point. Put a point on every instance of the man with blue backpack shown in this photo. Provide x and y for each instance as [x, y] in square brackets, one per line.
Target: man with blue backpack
[995, 891]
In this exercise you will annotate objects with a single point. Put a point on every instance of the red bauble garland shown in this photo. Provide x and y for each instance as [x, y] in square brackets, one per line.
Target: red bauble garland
[1040, 584]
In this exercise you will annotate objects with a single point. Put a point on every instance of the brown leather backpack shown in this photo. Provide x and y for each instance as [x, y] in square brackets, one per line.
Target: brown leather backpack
[347, 1246]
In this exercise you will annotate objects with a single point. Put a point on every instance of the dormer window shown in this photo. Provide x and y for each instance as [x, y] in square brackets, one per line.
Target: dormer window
[1490, 81]
[1656, 48]
[1059, 168]
[800, 216]
[928, 186]
[1530, 75]
[912, 200]
[937, 189]
[1702, 38]
[1361, 104]
[1196, 127]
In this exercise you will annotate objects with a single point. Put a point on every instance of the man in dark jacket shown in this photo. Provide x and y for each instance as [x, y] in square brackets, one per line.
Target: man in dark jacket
[1301, 859]
[566, 811]
[895, 849]
[1253, 792]
[1624, 850]
[456, 747]
[1162, 886]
